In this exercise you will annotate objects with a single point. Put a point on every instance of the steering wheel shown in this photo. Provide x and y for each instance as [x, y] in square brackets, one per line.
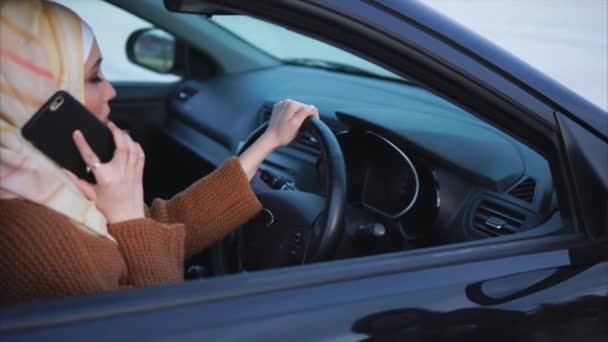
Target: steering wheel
[296, 227]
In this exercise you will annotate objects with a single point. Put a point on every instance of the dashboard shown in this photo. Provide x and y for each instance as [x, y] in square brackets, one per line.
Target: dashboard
[421, 171]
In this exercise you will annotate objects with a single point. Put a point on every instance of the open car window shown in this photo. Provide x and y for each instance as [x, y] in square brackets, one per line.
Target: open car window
[424, 174]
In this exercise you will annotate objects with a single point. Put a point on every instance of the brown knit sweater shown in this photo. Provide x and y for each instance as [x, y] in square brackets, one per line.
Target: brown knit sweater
[43, 255]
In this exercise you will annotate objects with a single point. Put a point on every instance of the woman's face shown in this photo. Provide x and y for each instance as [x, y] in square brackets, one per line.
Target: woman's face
[97, 90]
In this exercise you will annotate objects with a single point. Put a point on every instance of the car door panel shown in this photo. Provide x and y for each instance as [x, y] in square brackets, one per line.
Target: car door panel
[348, 307]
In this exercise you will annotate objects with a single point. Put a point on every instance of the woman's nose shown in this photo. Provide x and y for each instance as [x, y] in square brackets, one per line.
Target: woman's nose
[110, 92]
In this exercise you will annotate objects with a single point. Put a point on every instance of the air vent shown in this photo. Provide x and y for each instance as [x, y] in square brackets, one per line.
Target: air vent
[492, 219]
[307, 140]
[524, 190]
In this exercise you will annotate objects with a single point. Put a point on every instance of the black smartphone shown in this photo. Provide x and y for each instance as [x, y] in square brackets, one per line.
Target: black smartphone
[51, 128]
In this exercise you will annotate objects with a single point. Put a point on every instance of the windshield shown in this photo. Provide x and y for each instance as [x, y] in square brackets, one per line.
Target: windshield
[294, 48]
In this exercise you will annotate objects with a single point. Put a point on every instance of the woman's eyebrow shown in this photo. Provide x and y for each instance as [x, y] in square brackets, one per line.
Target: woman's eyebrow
[97, 63]
[95, 67]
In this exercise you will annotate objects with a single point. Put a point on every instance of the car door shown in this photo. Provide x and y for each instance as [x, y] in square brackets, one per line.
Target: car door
[543, 286]
[389, 297]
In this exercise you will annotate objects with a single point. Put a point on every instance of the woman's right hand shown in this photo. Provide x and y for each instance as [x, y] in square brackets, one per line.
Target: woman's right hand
[118, 194]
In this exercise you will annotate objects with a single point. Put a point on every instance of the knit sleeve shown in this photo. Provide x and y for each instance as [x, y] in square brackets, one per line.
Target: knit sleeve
[42, 255]
[153, 252]
[211, 207]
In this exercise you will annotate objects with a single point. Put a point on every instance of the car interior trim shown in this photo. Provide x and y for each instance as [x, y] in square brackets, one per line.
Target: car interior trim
[417, 182]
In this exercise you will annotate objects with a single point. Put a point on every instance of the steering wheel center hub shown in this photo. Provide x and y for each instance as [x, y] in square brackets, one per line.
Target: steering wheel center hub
[297, 227]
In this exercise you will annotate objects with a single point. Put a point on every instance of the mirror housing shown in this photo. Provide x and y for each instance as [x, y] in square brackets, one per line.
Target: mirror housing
[196, 6]
[153, 49]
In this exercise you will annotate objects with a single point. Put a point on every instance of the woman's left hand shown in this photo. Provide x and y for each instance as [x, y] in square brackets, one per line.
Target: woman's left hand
[285, 122]
[286, 119]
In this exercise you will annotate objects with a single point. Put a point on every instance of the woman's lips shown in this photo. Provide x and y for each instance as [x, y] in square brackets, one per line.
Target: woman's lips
[106, 118]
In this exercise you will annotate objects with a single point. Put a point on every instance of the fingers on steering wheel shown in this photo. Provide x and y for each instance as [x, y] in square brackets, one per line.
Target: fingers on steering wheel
[293, 107]
[303, 113]
[278, 104]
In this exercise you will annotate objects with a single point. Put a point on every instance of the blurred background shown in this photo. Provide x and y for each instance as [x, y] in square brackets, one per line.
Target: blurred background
[565, 39]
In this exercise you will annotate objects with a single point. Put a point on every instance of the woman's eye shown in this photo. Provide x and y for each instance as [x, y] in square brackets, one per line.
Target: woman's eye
[95, 79]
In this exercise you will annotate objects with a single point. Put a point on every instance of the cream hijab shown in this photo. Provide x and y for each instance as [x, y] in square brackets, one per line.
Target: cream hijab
[43, 47]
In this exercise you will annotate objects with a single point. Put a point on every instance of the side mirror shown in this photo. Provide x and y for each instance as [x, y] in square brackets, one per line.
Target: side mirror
[153, 49]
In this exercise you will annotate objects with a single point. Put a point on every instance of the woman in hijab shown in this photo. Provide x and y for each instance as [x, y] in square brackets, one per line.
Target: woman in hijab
[61, 235]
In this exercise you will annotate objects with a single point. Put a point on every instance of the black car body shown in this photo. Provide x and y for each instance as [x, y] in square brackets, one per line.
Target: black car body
[500, 127]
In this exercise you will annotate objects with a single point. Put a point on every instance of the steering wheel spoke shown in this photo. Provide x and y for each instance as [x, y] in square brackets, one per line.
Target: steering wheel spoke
[297, 227]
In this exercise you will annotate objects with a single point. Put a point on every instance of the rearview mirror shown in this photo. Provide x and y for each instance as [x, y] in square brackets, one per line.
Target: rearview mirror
[195, 6]
[153, 49]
